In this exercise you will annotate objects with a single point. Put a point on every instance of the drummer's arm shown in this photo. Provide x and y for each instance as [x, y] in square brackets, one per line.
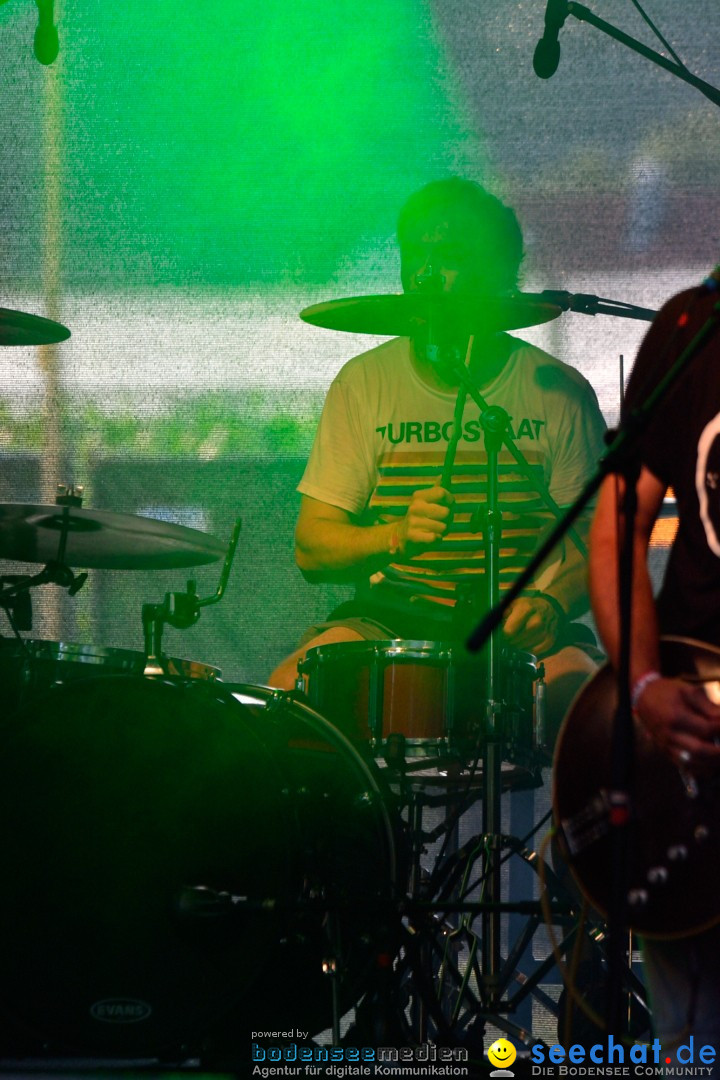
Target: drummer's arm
[569, 585]
[536, 618]
[330, 545]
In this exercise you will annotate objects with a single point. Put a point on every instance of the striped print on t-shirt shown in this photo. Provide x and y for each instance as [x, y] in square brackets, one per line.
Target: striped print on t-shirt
[460, 555]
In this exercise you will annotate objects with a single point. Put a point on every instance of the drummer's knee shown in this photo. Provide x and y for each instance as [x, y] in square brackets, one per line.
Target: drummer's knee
[285, 675]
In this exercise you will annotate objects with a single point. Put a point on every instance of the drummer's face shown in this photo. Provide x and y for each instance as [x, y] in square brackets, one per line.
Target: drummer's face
[448, 247]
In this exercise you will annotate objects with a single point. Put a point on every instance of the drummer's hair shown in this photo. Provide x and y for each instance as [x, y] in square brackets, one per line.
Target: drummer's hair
[493, 216]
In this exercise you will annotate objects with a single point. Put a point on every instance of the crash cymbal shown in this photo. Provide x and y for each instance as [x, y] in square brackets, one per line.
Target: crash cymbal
[100, 539]
[401, 314]
[18, 328]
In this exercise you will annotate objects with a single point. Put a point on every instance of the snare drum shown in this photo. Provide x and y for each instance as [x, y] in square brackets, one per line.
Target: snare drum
[29, 667]
[374, 689]
[430, 693]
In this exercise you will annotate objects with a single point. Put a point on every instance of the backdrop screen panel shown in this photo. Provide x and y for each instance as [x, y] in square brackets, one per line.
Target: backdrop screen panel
[187, 177]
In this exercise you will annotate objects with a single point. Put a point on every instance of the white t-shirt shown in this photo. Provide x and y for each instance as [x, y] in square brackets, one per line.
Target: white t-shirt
[384, 434]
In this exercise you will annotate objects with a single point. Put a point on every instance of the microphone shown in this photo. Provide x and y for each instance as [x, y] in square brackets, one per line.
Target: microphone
[46, 43]
[547, 51]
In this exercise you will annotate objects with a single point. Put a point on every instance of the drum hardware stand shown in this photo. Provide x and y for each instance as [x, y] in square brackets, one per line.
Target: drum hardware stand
[17, 607]
[433, 949]
[495, 423]
[452, 995]
[181, 610]
[416, 798]
[15, 599]
[429, 954]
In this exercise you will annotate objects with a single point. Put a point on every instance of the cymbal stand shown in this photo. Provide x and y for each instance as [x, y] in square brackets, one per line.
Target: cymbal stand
[443, 957]
[415, 795]
[441, 350]
[439, 941]
[494, 422]
[15, 590]
[15, 595]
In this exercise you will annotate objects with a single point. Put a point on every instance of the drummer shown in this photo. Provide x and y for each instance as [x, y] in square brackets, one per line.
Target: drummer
[374, 511]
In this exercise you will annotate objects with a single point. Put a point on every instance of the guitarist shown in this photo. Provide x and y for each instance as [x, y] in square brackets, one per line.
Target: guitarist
[680, 449]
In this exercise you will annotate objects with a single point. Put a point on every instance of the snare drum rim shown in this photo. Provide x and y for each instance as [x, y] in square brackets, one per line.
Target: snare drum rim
[395, 648]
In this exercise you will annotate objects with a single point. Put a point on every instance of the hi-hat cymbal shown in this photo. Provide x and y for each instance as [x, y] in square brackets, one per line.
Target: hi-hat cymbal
[101, 539]
[19, 328]
[402, 314]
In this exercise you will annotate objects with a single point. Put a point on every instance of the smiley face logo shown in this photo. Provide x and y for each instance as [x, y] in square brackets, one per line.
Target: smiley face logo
[501, 1054]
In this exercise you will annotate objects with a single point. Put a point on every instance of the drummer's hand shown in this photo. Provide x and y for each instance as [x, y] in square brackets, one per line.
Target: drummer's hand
[426, 520]
[532, 624]
[683, 722]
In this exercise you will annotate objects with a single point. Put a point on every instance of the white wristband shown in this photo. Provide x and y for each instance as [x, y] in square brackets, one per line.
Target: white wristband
[641, 686]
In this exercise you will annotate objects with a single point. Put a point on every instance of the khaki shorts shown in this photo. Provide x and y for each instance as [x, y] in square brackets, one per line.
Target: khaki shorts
[368, 629]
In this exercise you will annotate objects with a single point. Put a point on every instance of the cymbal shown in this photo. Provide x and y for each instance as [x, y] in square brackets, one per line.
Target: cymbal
[402, 314]
[18, 328]
[101, 539]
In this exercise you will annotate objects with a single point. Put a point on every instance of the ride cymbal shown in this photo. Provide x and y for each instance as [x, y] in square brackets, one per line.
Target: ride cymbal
[101, 539]
[19, 328]
[402, 314]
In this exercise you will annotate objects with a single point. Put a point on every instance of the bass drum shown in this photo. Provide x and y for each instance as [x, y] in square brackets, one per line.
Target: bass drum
[180, 859]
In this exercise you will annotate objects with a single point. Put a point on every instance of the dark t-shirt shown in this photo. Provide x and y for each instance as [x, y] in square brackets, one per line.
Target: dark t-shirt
[682, 448]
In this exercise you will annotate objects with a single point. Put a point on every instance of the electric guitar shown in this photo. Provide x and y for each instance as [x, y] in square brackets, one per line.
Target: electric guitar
[673, 873]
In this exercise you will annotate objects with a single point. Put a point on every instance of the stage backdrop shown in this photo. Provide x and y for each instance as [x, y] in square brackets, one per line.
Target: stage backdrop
[187, 176]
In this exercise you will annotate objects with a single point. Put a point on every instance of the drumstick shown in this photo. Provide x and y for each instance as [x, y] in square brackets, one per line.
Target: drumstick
[460, 400]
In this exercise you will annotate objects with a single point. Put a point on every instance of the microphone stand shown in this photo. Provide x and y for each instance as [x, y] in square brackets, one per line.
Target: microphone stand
[583, 14]
[467, 384]
[495, 423]
[587, 304]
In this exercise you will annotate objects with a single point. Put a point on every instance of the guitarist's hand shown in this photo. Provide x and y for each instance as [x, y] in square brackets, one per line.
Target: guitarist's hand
[682, 721]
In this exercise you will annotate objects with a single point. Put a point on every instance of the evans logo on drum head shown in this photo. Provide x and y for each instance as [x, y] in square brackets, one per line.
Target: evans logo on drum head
[120, 1010]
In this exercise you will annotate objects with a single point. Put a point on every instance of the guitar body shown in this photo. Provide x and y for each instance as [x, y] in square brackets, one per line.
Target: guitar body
[674, 850]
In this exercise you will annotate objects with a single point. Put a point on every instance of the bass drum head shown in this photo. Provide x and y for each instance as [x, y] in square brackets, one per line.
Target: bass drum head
[163, 844]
